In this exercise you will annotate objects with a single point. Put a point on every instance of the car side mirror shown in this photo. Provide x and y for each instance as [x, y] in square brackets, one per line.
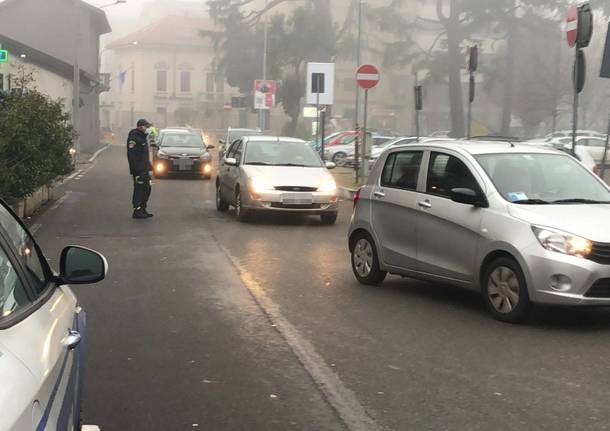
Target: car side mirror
[230, 161]
[330, 165]
[211, 147]
[80, 265]
[468, 197]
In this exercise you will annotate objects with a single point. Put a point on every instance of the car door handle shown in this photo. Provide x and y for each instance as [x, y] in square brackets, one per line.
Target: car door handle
[379, 194]
[424, 204]
[72, 339]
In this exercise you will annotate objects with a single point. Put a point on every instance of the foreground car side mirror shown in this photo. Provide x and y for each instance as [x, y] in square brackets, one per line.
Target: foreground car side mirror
[330, 165]
[230, 161]
[468, 197]
[80, 265]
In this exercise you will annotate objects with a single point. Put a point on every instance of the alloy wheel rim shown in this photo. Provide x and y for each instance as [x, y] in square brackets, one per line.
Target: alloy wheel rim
[218, 196]
[503, 289]
[363, 258]
[238, 204]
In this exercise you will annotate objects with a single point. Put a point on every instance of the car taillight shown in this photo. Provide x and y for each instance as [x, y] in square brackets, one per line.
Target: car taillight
[357, 196]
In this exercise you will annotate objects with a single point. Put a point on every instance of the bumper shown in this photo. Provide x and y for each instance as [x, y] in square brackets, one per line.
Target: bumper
[559, 279]
[321, 203]
[195, 167]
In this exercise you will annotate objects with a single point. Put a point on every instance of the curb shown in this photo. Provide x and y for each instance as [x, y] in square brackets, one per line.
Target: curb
[98, 152]
[347, 193]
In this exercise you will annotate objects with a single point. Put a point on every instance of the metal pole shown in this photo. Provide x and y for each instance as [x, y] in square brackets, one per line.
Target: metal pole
[603, 168]
[318, 108]
[364, 133]
[357, 111]
[556, 89]
[417, 131]
[469, 128]
[575, 107]
[322, 133]
[76, 78]
[261, 112]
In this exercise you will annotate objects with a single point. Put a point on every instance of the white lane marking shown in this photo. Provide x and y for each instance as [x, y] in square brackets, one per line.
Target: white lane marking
[74, 174]
[97, 153]
[34, 228]
[342, 399]
[60, 200]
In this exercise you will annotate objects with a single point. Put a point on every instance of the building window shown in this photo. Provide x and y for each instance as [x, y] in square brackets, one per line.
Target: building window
[162, 80]
[220, 85]
[185, 81]
[209, 86]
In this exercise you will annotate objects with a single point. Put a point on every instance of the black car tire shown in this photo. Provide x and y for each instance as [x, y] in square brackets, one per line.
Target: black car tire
[221, 204]
[339, 158]
[241, 214]
[330, 218]
[375, 276]
[505, 275]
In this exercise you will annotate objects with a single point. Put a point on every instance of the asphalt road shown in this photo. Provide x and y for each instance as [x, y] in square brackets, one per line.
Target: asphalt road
[206, 323]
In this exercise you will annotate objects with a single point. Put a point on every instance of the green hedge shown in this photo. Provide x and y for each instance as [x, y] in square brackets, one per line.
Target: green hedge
[35, 140]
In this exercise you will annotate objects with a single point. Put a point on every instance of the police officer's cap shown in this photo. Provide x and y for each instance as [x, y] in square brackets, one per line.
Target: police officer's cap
[143, 122]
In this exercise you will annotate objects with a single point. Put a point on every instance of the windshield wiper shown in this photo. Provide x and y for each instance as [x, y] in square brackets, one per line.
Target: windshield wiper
[579, 201]
[258, 163]
[291, 164]
[531, 202]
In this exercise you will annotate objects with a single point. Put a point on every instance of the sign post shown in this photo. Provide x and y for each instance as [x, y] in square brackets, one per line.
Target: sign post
[367, 77]
[579, 29]
[264, 98]
[320, 92]
[473, 62]
[419, 105]
[605, 73]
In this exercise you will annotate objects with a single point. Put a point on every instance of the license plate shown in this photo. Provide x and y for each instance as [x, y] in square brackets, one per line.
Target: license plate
[297, 198]
[184, 164]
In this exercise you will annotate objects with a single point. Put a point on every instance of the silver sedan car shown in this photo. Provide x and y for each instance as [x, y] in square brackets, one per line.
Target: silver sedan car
[519, 223]
[267, 173]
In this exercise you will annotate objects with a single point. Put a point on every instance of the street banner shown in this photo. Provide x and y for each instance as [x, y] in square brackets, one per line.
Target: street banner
[264, 94]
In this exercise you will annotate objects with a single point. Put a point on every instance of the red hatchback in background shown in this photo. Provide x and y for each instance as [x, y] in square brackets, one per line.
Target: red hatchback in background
[342, 138]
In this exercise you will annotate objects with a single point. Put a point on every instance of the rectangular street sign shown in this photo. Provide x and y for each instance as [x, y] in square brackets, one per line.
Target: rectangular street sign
[3, 55]
[264, 94]
[320, 83]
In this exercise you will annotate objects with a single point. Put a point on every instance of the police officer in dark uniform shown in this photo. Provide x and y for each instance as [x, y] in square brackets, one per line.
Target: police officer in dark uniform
[139, 167]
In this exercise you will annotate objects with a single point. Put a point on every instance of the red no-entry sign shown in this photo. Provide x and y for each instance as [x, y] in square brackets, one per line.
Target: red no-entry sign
[367, 76]
[572, 26]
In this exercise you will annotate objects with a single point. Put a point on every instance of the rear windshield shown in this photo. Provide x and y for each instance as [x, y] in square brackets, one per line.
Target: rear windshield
[185, 140]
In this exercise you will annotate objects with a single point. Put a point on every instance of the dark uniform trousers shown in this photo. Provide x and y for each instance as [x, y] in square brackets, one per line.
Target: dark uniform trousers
[141, 190]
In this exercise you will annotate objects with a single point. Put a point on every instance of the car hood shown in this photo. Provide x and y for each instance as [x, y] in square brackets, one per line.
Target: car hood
[178, 151]
[588, 221]
[281, 176]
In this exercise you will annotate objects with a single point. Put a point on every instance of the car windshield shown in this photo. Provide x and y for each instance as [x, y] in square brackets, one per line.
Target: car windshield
[185, 140]
[281, 153]
[542, 179]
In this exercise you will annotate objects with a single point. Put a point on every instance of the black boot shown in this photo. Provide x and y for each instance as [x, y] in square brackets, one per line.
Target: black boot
[145, 211]
[139, 214]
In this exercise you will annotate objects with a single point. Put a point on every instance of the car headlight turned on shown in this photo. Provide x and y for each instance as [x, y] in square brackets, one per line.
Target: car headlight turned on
[562, 242]
[72, 151]
[207, 169]
[329, 186]
[258, 185]
[160, 168]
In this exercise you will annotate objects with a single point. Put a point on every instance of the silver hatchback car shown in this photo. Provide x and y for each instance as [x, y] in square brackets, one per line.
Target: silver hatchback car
[269, 173]
[520, 224]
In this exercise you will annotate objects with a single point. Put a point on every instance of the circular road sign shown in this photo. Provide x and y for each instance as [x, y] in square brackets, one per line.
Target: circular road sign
[572, 25]
[367, 76]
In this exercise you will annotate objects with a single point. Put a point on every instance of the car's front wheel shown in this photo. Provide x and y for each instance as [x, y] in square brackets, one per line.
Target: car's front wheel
[241, 214]
[365, 261]
[504, 290]
[221, 204]
[339, 158]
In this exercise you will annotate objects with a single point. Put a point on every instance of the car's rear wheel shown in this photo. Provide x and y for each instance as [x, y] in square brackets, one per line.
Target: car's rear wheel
[241, 214]
[330, 218]
[339, 158]
[365, 261]
[505, 291]
[221, 204]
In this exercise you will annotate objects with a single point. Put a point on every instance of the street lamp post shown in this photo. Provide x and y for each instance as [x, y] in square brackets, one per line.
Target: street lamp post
[76, 78]
[357, 111]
